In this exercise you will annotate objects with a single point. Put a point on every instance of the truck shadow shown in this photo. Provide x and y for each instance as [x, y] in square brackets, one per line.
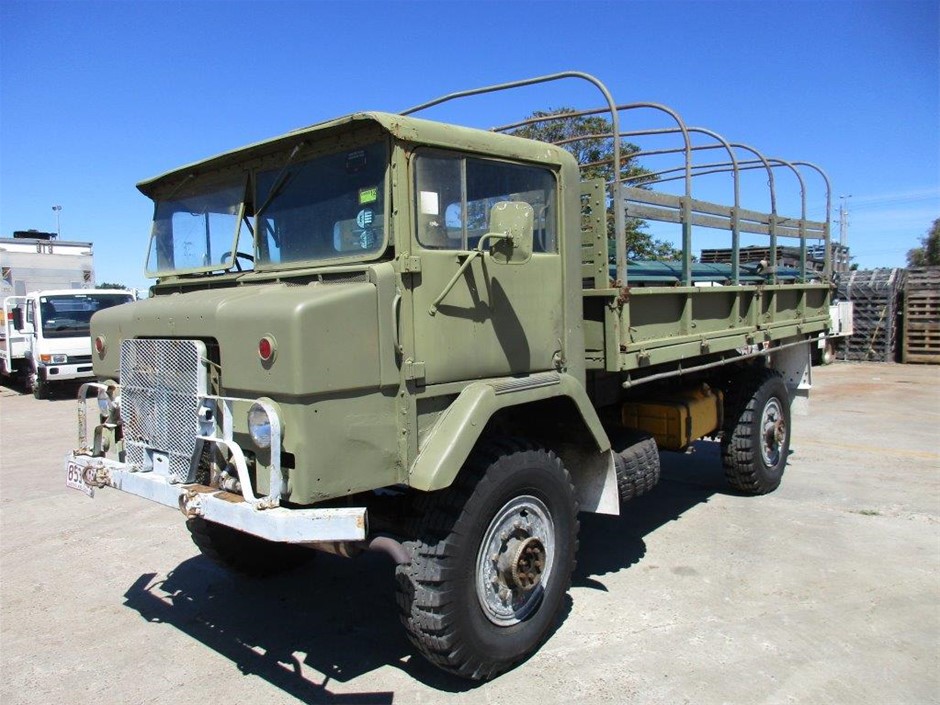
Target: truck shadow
[336, 619]
[612, 543]
[330, 622]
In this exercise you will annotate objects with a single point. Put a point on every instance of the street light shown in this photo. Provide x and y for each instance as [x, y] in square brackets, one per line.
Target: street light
[57, 210]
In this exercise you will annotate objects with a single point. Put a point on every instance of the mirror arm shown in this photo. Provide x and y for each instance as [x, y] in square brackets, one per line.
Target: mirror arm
[493, 236]
[453, 280]
[472, 255]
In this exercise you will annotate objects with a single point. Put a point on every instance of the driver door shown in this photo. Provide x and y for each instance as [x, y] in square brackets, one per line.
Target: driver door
[498, 319]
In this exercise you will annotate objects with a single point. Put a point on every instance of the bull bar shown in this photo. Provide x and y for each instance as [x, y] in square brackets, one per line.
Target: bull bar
[260, 516]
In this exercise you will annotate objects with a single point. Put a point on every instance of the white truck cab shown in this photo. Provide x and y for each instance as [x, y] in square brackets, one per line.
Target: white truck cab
[46, 334]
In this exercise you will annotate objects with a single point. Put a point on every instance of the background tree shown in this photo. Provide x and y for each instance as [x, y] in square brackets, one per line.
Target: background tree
[928, 254]
[598, 153]
[111, 285]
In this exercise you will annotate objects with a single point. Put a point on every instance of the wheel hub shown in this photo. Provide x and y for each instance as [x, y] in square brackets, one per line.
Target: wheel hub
[525, 560]
[515, 560]
[774, 428]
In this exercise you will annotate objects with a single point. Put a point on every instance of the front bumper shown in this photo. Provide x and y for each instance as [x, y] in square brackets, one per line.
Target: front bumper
[302, 526]
[61, 373]
[156, 475]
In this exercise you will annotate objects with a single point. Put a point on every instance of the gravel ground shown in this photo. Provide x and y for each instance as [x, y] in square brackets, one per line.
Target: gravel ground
[826, 591]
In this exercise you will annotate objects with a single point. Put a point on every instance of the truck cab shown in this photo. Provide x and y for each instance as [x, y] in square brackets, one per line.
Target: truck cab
[47, 334]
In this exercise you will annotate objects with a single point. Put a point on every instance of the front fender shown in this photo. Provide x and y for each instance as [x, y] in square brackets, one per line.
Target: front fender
[451, 440]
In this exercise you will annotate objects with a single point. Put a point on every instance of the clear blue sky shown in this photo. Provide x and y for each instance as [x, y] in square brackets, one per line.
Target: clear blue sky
[95, 96]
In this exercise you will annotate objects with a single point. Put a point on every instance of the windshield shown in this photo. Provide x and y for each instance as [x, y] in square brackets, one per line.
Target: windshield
[67, 315]
[196, 232]
[327, 208]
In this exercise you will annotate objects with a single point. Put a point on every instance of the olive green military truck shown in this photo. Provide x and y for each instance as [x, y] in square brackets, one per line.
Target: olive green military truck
[386, 333]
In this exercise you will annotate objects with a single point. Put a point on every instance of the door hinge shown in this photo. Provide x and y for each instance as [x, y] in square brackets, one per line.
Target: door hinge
[414, 370]
[408, 264]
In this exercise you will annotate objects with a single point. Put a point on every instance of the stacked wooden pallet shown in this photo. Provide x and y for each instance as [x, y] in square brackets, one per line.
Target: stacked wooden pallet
[786, 256]
[875, 295]
[921, 339]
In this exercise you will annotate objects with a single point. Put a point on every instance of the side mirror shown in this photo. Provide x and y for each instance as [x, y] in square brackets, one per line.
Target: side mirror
[18, 322]
[511, 231]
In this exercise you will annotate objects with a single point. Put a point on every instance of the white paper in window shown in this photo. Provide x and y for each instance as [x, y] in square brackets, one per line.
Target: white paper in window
[429, 203]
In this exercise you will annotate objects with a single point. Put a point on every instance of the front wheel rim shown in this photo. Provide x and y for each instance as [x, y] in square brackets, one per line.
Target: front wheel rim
[773, 427]
[515, 560]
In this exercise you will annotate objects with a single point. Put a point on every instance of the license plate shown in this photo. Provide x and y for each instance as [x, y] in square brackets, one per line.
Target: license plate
[74, 478]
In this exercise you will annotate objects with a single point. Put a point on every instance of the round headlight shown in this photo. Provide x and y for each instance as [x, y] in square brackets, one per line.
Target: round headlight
[259, 426]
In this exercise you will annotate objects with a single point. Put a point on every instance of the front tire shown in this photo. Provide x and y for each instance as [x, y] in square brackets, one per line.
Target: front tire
[756, 439]
[40, 386]
[492, 561]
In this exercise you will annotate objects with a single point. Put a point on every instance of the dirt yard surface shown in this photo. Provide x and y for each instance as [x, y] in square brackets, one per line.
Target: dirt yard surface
[827, 591]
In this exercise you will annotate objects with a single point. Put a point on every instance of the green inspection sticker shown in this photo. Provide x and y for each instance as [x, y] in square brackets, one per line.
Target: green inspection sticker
[368, 195]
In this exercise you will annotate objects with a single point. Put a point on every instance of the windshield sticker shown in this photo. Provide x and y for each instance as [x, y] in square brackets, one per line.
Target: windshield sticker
[368, 195]
[364, 218]
[367, 239]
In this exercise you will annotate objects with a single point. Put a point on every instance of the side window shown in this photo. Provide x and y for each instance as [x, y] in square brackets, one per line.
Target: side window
[440, 203]
[455, 195]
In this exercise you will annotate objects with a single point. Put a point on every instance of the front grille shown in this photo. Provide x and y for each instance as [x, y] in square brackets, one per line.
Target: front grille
[161, 382]
[79, 359]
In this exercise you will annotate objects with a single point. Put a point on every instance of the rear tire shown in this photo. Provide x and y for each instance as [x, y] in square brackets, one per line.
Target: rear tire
[492, 561]
[756, 439]
[245, 553]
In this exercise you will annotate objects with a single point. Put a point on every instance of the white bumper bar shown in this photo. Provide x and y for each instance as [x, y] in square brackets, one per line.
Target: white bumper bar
[274, 523]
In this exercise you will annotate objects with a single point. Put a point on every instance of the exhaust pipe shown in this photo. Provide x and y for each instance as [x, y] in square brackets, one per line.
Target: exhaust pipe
[379, 544]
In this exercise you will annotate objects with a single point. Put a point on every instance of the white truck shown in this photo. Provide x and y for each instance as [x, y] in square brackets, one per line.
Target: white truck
[46, 337]
[48, 294]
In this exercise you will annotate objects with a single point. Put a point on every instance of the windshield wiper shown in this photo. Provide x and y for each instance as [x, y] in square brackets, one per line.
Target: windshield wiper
[283, 178]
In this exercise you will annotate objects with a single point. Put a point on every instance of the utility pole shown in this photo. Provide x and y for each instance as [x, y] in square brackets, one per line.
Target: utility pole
[844, 220]
[57, 210]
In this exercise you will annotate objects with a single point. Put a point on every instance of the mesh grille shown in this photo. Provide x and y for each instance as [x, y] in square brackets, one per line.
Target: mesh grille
[161, 382]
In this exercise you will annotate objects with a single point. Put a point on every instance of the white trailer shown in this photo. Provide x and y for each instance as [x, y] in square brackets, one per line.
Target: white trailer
[33, 261]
